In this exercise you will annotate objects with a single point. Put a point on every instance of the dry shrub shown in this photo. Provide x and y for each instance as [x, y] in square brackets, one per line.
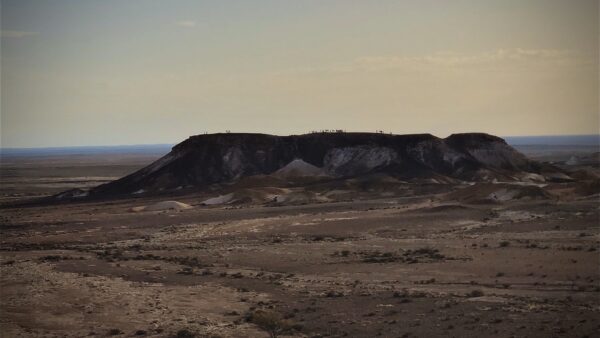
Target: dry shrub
[270, 321]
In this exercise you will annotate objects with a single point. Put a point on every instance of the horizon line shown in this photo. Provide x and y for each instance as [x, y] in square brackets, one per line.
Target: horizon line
[333, 131]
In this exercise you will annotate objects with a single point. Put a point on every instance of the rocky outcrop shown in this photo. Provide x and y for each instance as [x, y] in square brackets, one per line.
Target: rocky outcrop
[352, 161]
[203, 160]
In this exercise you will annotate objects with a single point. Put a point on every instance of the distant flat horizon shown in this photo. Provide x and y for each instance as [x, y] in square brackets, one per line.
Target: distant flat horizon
[563, 140]
[589, 140]
[87, 150]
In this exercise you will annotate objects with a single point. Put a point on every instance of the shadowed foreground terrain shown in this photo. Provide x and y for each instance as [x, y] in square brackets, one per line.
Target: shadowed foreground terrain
[385, 258]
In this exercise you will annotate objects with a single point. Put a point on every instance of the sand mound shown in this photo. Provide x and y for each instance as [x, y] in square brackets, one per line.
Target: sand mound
[299, 168]
[267, 195]
[300, 197]
[446, 208]
[162, 206]
[575, 190]
[338, 193]
[531, 178]
[243, 196]
[221, 199]
[587, 188]
[585, 174]
[558, 177]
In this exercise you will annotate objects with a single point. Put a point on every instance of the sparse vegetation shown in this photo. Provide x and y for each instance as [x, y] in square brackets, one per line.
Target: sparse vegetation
[426, 281]
[186, 270]
[421, 255]
[270, 321]
[475, 293]
[332, 294]
[56, 258]
[184, 333]
[114, 332]
[571, 248]
[380, 257]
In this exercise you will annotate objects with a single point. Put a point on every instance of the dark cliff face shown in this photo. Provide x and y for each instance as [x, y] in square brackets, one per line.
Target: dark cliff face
[216, 158]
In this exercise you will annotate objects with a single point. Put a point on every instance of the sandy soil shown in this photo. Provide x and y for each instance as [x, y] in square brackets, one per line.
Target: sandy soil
[391, 266]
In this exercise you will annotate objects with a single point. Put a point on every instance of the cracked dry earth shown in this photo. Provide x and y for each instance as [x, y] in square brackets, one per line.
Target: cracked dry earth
[396, 267]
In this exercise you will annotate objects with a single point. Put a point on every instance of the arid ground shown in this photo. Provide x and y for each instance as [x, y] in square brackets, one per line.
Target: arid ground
[395, 260]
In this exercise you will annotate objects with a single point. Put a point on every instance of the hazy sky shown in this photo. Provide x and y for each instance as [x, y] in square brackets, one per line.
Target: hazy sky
[131, 72]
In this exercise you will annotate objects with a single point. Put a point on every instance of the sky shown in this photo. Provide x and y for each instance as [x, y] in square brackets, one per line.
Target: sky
[76, 73]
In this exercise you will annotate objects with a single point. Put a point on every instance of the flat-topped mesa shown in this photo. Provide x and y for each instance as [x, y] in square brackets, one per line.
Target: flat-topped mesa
[203, 160]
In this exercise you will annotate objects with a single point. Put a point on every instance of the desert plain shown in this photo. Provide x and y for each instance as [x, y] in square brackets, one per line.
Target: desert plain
[375, 257]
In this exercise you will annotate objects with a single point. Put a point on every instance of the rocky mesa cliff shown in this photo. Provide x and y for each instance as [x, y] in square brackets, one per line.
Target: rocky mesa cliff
[204, 160]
